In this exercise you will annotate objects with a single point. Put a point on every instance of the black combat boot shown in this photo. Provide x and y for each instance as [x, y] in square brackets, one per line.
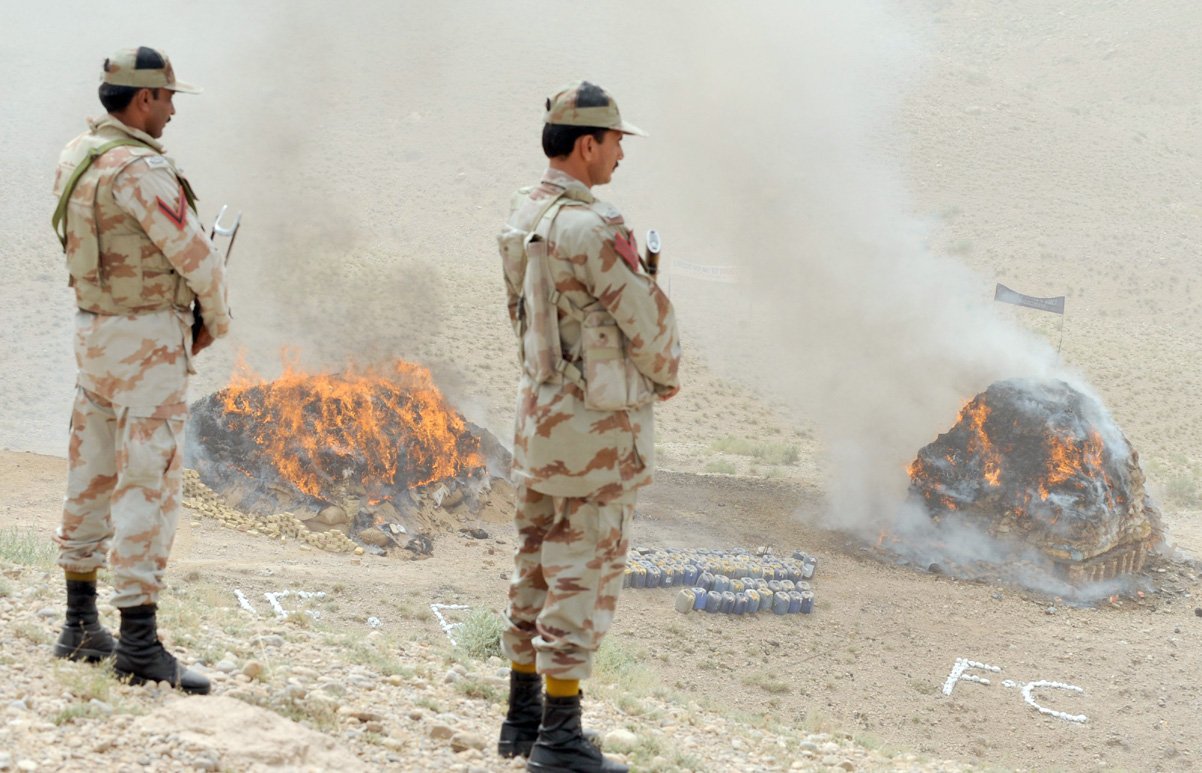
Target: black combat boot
[142, 658]
[520, 728]
[83, 637]
[519, 731]
[561, 746]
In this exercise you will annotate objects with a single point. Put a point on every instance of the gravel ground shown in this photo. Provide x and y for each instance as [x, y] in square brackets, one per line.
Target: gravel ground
[294, 694]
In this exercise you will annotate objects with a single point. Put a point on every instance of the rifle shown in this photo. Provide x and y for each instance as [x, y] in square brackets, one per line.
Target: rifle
[218, 230]
[651, 262]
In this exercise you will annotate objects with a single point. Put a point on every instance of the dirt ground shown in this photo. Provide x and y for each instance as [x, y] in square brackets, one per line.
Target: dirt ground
[1048, 146]
[872, 659]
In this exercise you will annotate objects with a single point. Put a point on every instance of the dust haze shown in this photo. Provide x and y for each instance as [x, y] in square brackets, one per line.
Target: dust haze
[871, 168]
[373, 150]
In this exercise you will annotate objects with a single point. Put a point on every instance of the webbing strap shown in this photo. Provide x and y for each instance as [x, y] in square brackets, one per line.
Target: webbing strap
[60, 212]
[569, 372]
[541, 232]
[542, 223]
[565, 369]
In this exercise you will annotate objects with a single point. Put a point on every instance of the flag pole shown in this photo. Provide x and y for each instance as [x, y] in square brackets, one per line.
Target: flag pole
[1054, 305]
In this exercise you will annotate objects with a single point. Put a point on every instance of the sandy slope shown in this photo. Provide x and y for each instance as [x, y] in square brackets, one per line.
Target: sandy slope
[870, 661]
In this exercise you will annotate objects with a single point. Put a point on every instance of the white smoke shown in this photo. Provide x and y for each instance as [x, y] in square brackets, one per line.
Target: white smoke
[788, 160]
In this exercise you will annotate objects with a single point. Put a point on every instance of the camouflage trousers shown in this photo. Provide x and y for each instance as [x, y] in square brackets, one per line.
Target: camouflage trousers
[124, 487]
[567, 576]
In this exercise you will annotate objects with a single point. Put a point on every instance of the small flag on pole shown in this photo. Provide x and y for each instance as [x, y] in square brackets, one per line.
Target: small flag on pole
[1006, 295]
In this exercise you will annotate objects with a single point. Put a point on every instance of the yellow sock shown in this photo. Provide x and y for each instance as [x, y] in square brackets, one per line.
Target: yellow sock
[523, 668]
[562, 688]
[80, 576]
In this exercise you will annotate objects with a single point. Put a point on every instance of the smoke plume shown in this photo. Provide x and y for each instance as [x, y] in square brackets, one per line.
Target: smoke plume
[788, 161]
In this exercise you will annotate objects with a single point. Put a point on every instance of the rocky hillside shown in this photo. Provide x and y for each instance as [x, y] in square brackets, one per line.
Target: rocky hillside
[298, 693]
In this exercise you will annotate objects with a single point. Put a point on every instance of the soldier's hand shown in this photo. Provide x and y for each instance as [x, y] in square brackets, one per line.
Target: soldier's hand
[201, 340]
[668, 394]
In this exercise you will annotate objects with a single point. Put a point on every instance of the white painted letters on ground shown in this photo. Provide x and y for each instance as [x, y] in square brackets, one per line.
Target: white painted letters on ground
[1027, 688]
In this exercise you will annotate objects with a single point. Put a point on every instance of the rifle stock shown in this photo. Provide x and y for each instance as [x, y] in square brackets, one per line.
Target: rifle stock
[218, 230]
[651, 262]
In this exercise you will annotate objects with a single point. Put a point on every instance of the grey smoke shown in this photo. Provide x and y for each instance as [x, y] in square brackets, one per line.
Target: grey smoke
[375, 146]
[790, 122]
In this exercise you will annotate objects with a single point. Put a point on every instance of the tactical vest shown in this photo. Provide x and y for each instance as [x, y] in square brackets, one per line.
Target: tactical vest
[597, 362]
[146, 281]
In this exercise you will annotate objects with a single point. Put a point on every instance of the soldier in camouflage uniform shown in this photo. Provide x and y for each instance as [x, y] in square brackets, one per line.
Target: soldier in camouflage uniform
[139, 261]
[598, 345]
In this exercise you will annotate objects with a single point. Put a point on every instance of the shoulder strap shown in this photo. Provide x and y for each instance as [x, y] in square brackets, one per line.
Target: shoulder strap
[539, 227]
[60, 212]
[542, 230]
[546, 216]
[539, 232]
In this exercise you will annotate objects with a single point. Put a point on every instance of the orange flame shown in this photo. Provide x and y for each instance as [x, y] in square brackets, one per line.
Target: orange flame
[380, 419]
[1067, 457]
[976, 413]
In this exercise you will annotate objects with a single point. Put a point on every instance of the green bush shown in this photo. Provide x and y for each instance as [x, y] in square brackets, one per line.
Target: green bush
[76, 711]
[767, 683]
[765, 450]
[619, 665]
[87, 683]
[27, 546]
[1182, 489]
[479, 635]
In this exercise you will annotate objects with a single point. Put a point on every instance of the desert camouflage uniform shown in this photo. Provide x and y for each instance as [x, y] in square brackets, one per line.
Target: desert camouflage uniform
[577, 467]
[133, 341]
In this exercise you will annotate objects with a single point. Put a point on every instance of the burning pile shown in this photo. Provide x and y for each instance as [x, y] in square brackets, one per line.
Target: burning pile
[370, 451]
[1043, 462]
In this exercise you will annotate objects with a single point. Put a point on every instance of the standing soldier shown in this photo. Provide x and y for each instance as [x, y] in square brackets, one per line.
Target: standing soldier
[138, 260]
[598, 345]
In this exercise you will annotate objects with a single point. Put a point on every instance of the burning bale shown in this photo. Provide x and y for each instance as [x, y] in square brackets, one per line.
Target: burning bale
[376, 453]
[1042, 462]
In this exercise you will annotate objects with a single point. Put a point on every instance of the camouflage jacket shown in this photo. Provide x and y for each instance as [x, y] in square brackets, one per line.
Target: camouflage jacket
[145, 256]
[568, 443]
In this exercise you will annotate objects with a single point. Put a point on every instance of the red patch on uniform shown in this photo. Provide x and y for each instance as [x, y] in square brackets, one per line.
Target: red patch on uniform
[177, 214]
[628, 248]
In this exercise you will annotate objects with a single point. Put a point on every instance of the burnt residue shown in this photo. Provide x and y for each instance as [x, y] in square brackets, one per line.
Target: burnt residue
[1043, 463]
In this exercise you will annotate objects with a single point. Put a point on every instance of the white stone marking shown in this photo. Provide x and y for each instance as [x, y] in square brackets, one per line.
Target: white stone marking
[274, 600]
[447, 627]
[243, 601]
[1029, 688]
[957, 674]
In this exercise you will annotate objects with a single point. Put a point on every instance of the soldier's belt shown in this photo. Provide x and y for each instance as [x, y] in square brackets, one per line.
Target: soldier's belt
[137, 310]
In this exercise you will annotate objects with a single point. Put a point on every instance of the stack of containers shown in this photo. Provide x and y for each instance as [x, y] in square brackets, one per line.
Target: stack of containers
[733, 582]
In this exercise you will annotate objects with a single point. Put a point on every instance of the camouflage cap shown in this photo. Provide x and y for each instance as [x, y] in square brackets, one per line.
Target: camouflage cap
[587, 104]
[143, 68]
